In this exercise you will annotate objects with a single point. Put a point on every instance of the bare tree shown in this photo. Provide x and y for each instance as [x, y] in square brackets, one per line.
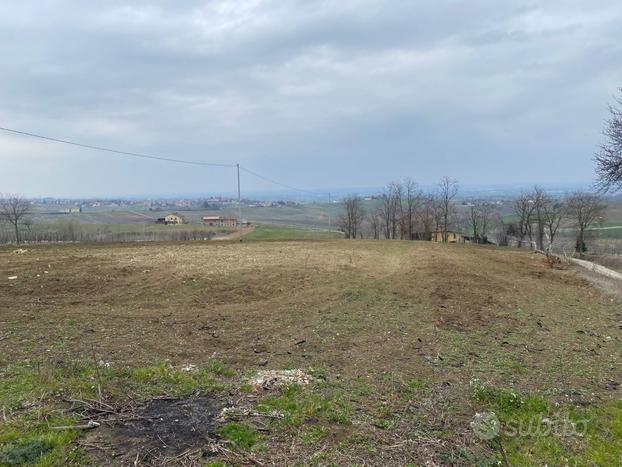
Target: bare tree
[488, 211]
[473, 219]
[448, 190]
[479, 215]
[539, 199]
[523, 209]
[609, 157]
[14, 209]
[351, 220]
[375, 223]
[389, 210]
[412, 200]
[553, 211]
[586, 209]
[504, 231]
[426, 219]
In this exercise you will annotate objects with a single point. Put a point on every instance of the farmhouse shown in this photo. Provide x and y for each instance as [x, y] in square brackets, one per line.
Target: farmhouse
[452, 237]
[171, 219]
[218, 221]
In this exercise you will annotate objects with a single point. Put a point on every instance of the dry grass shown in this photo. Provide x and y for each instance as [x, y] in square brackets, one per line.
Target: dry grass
[381, 313]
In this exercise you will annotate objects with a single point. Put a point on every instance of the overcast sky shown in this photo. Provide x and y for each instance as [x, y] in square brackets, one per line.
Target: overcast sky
[318, 94]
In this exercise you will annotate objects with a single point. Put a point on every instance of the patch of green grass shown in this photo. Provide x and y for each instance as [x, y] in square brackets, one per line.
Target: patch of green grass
[384, 423]
[220, 369]
[507, 403]
[29, 381]
[27, 452]
[31, 440]
[314, 434]
[279, 232]
[298, 404]
[247, 388]
[413, 388]
[243, 436]
[31, 395]
[318, 374]
[603, 434]
[534, 431]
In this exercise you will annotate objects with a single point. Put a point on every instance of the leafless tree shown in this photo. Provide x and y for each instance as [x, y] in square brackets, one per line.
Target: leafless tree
[472, 219]
[553, 211]
[586, 209]
[479, 215]
[375, 224]
[14, 209]
[609, 157]
[523, 209]
[389, 210]
[426, 218]
[351, 220]
[398, 196]
[539, 199]
[448, 190]
[412, 200]
[504, 231]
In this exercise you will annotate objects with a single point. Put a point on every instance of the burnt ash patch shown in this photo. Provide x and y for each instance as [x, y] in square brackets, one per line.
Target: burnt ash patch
[164, 428]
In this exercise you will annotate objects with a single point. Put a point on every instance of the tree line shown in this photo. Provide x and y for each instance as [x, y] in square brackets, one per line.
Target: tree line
[17, 213]
[403, 211]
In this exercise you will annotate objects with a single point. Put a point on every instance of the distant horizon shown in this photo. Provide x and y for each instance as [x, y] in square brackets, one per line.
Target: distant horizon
[314, 194]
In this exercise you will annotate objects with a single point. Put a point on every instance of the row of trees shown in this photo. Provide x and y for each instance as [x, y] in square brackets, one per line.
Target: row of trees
[539, 217]
[403, 211]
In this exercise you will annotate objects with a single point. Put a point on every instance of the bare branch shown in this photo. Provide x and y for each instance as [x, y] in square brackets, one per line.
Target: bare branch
[14, 210]
[609, 157]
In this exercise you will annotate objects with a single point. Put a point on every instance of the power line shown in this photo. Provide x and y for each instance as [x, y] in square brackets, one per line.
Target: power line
[160, 158]
[115, 151]
[284, 185]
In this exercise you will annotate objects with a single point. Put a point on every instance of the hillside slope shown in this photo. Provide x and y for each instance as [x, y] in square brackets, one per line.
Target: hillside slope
[413, 337]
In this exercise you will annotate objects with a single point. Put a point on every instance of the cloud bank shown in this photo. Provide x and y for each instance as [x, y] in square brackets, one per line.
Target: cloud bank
[317, 94]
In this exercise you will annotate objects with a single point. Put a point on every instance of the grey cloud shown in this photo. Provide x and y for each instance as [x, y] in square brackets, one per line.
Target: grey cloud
[293, 88]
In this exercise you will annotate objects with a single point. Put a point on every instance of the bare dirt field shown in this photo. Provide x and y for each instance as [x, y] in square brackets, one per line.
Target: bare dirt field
[404, 342]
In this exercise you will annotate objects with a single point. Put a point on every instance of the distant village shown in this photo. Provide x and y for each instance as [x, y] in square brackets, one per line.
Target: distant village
[74, 206]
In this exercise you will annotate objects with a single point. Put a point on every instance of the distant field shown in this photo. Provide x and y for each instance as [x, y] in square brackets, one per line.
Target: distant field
[281, 232]
[401, 344]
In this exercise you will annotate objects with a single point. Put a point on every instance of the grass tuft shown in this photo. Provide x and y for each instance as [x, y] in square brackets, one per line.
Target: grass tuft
[299, 404]
[241, 435]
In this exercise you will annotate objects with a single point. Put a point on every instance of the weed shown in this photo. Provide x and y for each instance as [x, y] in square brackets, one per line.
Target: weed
[299, 404]
[240, 434]
[220, 369]
[413, 388]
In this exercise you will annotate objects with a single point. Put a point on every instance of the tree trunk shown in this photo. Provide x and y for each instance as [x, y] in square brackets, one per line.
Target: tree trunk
[17, 239]
[580, 247]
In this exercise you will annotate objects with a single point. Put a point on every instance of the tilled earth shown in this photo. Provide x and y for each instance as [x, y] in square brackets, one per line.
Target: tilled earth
[377, 311]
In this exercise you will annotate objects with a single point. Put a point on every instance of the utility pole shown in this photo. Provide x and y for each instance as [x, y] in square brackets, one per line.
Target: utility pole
[239, 203]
